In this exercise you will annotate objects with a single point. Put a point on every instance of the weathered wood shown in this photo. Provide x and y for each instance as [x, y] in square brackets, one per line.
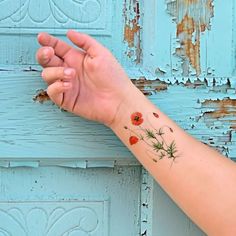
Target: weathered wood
[180, 53]
[53, 201]
[159, 214]
[32, 130]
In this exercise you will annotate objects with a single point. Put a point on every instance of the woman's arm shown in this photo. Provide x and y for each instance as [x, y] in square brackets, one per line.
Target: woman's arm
[89, 82]
[197, 178]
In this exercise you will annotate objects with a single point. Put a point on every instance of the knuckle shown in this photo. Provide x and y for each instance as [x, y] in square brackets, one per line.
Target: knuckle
[39, 55]
[67, 72]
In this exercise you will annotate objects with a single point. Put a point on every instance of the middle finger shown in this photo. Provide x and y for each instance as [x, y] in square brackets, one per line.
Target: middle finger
[46, 57]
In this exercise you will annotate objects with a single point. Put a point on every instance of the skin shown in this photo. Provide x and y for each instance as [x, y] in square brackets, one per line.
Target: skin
[87, 76]
[87, 80]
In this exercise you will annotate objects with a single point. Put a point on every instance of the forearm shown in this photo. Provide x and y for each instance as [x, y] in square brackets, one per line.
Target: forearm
[201, 181]
[194, 175]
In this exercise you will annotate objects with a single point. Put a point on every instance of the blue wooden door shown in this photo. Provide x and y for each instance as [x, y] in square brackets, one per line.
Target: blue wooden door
[62, 175]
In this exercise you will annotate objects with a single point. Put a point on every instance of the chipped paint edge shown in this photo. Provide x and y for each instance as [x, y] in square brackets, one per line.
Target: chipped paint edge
[146, 204]
[132, 30]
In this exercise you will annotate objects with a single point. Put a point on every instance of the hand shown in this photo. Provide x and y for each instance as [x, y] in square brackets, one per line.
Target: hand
[87, 81]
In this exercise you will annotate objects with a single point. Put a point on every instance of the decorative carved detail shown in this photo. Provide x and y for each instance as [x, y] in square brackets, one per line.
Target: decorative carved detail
[51, 218]
[39, 11]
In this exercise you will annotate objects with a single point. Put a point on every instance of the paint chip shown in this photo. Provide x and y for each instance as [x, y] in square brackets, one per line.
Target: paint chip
[132, 29]
[193, 17]
[41, 96]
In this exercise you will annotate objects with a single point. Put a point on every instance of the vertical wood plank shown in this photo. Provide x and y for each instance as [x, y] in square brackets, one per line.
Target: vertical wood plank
[160, 215]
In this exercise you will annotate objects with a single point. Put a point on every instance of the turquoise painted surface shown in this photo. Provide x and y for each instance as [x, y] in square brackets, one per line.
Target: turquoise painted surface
[145, 36]
[50, 201]
[160, 215]
[41, 131]
[33, 130]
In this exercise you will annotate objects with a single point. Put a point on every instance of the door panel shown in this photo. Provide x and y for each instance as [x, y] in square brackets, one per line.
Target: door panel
[20, 22]
[51, 201]
[180, 53]
[149, 40]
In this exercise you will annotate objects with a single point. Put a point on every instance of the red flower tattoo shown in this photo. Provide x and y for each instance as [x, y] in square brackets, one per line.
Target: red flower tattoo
[133, 140]
[136, 118]
[158, 147]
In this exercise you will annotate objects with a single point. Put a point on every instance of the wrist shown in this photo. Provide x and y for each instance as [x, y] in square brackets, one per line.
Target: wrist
[133, 99]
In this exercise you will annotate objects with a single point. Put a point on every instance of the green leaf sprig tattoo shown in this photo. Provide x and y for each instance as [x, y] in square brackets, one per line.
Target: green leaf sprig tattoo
[154, 138]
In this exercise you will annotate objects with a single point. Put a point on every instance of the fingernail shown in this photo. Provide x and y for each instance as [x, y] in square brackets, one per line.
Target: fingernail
[42, 74]
[66, 84]
[68, 71]
[39, 36]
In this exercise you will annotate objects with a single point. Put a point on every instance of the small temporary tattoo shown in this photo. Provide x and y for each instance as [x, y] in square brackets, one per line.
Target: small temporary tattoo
[157, 146]
[136, 118]
[133, 140]
[155, 114]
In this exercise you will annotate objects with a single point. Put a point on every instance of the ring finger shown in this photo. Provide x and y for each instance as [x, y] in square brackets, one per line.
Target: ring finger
[52, 74]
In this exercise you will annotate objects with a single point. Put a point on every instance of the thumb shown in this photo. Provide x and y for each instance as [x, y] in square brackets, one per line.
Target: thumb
[84, 41]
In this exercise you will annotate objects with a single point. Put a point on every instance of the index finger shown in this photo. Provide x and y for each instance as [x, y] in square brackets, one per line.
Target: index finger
[85, 42]
[60, 47]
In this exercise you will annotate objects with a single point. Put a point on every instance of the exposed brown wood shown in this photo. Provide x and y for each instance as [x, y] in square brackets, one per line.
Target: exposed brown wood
[192, 18]
[132, 29]
[41, 96]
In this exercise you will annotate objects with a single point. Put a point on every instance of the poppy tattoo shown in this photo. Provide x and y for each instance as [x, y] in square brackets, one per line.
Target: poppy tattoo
[158, 148]
[136, 118]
